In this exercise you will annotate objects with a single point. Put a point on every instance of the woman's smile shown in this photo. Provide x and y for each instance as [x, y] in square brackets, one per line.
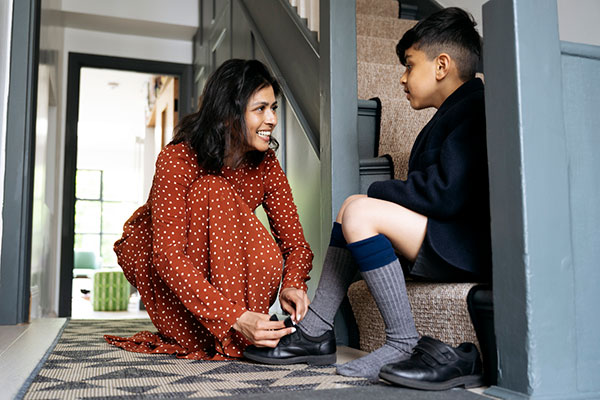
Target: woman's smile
[261, 118]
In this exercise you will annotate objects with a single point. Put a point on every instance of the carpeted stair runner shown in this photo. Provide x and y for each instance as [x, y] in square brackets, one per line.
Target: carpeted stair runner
[379, 75]
[440, 310]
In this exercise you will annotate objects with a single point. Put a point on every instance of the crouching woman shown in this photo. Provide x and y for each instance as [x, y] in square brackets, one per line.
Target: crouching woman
[206, 268]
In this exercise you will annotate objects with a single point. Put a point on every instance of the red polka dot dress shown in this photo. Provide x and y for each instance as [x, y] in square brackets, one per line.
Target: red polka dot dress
[200, 257]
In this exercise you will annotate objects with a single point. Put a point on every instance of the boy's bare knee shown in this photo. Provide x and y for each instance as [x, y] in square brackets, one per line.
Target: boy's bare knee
[357, 215]
[349, 200]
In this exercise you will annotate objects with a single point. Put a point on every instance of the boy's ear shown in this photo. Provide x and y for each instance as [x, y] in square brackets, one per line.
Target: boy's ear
[442, 66]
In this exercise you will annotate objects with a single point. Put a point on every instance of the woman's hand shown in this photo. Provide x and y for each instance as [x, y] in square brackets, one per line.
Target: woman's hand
[259, 330]
[295, 302]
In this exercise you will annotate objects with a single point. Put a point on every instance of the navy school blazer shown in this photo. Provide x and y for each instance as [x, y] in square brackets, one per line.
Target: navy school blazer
[447, 181]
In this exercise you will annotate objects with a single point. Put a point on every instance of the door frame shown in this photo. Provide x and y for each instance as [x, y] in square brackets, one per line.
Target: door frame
[76, 62]
[17, 207]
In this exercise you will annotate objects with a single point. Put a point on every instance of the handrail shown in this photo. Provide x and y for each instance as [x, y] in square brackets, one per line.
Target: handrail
[580, 50]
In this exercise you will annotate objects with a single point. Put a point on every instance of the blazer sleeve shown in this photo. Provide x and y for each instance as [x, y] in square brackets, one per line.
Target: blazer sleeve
[440, 189]
[285, 226]
[176, 170]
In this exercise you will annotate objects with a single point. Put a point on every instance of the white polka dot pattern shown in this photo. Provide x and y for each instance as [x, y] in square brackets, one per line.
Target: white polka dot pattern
[200, 257]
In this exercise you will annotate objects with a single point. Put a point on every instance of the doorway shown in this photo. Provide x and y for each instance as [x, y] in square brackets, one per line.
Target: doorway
[112, 139]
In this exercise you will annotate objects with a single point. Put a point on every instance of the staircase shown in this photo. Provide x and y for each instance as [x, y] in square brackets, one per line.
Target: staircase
[378, 30]
[440, 310]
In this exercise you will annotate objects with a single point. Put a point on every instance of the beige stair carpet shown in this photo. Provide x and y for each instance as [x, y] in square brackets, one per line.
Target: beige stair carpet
[379, 72]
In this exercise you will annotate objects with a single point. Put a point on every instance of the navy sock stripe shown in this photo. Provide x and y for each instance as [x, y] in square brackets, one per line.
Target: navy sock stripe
[337, 236]
[373, 252]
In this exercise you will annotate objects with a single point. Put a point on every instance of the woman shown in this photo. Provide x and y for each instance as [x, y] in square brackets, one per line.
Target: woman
[206, 268]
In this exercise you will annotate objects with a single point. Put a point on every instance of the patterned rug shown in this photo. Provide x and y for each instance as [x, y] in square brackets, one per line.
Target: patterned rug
[83, 366]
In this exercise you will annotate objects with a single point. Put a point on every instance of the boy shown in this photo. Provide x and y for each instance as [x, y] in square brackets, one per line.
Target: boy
[437, 220]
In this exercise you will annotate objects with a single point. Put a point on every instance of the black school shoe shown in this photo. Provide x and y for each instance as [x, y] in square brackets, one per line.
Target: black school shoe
[296, 348]
[436, 366]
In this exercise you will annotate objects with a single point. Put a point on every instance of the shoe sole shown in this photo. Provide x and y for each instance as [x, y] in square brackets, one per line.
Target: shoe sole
[467, 381]
[325, 359]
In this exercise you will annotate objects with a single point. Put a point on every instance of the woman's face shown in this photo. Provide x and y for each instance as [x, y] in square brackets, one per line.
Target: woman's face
[261, 118]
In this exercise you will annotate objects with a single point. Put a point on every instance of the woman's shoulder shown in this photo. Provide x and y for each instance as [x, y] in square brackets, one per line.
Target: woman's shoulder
[181, 150]
[270, 158]
[178, 154]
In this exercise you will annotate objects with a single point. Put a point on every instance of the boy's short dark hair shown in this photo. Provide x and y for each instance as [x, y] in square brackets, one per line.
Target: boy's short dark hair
[452, 31]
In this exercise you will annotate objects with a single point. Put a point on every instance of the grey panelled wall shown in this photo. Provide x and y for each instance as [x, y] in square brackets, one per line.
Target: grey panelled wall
[544, 195]
[303, 170]
[581, 91]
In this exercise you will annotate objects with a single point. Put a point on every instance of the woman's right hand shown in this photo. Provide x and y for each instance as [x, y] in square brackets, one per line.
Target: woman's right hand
[259, 330]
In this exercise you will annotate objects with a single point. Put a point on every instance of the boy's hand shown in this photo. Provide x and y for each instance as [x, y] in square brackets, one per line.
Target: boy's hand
[261, 331]
[295, 302]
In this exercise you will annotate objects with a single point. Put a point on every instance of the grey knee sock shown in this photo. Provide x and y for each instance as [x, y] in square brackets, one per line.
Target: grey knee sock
[389, 291]
[339, 269]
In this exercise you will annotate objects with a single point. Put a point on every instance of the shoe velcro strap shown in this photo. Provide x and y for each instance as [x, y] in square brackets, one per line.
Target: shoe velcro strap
[434, 352]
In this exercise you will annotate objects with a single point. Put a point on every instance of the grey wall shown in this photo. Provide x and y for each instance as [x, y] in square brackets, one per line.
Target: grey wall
[542, 120]
[581, 91]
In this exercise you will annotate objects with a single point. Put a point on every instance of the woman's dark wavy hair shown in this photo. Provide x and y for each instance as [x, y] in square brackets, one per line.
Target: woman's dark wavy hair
[218, 128]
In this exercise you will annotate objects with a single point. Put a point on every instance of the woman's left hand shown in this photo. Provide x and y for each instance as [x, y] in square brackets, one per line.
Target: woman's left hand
[295, 302]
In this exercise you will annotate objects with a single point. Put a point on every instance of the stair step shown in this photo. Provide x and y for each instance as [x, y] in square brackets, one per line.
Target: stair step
[379, 80]
[400, 125]
[382, 8]
[376, 50]
[439, 310]
[384, 27]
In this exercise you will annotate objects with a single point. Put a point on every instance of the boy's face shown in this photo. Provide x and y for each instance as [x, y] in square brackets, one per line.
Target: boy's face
[419, 79]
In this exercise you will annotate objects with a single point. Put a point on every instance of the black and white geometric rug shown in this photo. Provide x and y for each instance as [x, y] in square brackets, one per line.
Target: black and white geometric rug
[83, 366]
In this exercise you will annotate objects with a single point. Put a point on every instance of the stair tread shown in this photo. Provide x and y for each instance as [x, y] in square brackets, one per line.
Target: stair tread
[377, 50]
[376, 80]
[384, 8]
[439, 309]
[384, 27]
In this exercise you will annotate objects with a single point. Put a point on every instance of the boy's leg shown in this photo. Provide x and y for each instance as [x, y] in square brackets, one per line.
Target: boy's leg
[388, 281]
[339, 269]
[383, 274]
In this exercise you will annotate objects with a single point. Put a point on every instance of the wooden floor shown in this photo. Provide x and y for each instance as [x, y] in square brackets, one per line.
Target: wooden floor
[21, 349]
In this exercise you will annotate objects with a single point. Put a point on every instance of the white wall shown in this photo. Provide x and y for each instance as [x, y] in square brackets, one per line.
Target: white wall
[62, 23]
[176, 12]
[579, 21]
[130, 46]
[472, 6]
[5, 39]
[46, 207]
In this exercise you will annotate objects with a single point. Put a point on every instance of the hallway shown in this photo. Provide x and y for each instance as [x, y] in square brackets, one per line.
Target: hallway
[22, 348]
